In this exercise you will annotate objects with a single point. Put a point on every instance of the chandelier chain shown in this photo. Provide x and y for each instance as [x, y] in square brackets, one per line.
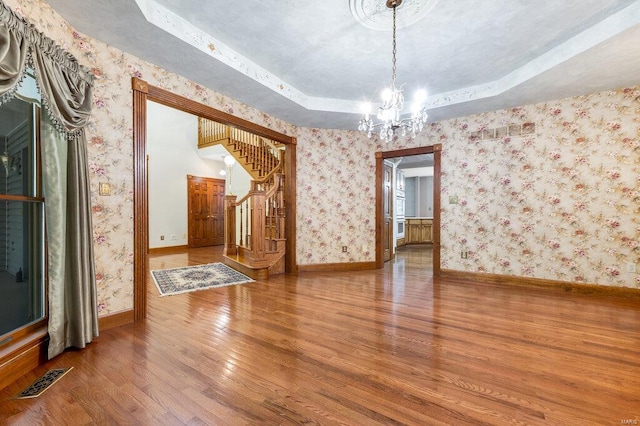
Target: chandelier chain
[395, 50]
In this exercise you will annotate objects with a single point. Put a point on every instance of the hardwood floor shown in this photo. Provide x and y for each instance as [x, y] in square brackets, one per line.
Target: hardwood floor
[390, 346]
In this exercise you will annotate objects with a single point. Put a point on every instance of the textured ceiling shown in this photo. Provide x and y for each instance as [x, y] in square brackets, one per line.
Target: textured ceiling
[311, 63]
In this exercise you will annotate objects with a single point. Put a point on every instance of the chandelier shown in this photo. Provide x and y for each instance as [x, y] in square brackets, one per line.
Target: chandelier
[390, 113]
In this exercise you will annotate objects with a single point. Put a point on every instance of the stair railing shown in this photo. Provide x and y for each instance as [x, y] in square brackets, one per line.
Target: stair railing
[211, 132]
[259, 155]
[254, 224]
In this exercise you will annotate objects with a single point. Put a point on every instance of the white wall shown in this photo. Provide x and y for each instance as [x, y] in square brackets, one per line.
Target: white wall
[421, 196]
[172, 146]
[425, 194]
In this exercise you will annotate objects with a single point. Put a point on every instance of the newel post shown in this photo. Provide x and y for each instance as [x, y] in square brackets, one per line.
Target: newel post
[230, 248]
[258, 213]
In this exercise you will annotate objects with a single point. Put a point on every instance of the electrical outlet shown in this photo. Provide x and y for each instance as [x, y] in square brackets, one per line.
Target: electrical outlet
[631, 268]
[173, 237]
[344, 249]
[463, 254]
[161, 237]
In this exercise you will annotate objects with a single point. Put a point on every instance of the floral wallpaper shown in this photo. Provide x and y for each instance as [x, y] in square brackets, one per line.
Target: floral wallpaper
[562, 203]
[336, 197]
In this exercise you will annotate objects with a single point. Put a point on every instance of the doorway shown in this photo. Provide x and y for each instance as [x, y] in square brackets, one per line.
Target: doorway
[172, 156]
[382, 238]
[142, 92]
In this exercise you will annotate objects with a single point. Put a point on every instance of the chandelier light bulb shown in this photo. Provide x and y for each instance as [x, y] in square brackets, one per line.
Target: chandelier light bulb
[366, 110]
[420, 96]
[386, 94]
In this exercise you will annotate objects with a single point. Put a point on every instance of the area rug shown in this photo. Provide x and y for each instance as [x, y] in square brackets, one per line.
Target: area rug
[192, 278]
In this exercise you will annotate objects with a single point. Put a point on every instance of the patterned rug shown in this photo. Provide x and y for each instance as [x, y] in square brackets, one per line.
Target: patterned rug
[192, 278]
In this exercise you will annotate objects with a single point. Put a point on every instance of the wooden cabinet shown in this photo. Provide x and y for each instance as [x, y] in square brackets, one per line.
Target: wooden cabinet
[418, 231]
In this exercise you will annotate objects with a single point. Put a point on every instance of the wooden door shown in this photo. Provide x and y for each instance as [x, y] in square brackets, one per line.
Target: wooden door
[387, 211]
[206, 211]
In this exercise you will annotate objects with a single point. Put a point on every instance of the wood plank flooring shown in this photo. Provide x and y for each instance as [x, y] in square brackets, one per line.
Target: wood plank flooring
[390, 346]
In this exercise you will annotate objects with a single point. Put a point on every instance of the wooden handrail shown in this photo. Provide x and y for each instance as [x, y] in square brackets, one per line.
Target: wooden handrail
[246, 197]
[272, 172]
[275, 187]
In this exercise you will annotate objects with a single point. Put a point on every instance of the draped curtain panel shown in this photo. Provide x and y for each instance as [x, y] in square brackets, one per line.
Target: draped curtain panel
[66, 88]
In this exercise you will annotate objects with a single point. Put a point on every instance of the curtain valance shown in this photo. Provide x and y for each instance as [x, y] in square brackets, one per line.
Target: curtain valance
[65, 85]
[66, 89]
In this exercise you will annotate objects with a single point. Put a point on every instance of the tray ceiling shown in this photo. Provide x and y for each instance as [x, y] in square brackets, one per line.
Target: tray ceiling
[312, 63]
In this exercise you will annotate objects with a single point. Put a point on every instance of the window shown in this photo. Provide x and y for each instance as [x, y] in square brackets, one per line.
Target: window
[22, 247]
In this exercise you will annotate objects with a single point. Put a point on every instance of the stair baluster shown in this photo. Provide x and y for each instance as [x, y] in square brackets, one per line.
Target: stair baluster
[254, 225]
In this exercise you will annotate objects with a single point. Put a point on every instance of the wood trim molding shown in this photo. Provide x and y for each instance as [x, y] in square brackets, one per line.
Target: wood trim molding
[437, 207]
[337, 267]
[172, 100]
[22, 356]
[380, 156]
[116, 320]
[565, 286]
[167, 250]
[140, 199]
[379, 212]
[290, 191]
[143, 92]
[139, 85]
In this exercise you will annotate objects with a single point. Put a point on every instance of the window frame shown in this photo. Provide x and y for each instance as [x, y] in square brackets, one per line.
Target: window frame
[34, 328]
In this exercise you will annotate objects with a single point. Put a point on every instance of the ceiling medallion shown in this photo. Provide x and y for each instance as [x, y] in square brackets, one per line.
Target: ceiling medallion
[374, 14]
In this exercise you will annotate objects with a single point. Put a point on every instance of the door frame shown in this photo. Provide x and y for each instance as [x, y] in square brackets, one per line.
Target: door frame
[391, 211]
[436, 150]
[143, 91]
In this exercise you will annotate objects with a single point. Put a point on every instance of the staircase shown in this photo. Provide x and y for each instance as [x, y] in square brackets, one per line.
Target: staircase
[257, 155]
[254, 224]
